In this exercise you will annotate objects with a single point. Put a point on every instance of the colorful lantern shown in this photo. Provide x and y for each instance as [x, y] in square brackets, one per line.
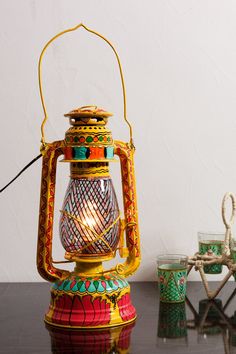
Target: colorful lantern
[91, 227]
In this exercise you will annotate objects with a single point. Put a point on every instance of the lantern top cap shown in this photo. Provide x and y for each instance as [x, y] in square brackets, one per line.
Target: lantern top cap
[88, 111]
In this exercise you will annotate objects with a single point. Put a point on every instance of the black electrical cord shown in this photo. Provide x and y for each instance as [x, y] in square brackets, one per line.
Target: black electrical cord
[25, 168]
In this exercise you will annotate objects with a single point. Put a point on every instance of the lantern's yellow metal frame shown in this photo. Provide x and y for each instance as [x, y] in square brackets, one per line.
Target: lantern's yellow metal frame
[45, 262]
[51, 152]
[81, 25]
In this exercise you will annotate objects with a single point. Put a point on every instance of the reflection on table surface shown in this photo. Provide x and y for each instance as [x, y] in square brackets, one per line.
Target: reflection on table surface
[114, 340]
[196, 326]
[209, 321]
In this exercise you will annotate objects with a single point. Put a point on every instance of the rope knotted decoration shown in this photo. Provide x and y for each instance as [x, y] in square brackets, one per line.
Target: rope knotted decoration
[198, 261]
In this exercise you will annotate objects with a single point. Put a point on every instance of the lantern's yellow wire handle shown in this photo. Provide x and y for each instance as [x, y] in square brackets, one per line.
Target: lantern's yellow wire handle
[40, 80]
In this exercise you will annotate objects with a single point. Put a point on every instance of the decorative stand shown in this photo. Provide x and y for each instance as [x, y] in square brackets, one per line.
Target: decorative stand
[227, 258]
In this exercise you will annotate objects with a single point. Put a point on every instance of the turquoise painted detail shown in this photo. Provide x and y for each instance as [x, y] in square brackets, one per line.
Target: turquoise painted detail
[75, 287]
[108, 283]
[100, 288]
[67, 285]
[82, 288]
[109, 152]
[91, 288]
[122, 282]
[80, 152]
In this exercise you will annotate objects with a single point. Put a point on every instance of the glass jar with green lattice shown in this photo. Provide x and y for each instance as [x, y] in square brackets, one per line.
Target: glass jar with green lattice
[211, 244]
[172, 277]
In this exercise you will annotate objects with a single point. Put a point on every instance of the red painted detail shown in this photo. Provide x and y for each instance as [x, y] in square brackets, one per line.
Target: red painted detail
[97, 311]
[73, 284]
[126, 309]
[68, 153]
[75, 319]
[104, 284]
[87, 284]
[124, 337]
[66, 310]
[89, 310]
[56, 314]
[103, 308]
[107, 313]
[79, 311]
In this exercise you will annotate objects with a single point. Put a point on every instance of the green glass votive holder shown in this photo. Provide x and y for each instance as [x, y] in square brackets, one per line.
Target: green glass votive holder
[172, 277]
[211, 244]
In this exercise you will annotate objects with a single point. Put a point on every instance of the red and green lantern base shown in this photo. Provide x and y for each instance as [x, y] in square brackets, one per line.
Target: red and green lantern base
[90, 302]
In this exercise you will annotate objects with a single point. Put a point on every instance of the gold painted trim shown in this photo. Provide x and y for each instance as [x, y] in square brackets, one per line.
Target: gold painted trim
[90, 160]
[91, 175]
[91, 259]
[90, 327]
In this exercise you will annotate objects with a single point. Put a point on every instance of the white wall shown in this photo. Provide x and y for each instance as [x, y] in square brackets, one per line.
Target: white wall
[179, 63]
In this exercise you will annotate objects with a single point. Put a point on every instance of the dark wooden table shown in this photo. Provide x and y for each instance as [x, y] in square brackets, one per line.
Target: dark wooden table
[22, 329]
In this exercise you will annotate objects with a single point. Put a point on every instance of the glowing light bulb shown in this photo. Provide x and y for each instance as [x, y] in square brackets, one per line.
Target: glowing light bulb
[90, 207]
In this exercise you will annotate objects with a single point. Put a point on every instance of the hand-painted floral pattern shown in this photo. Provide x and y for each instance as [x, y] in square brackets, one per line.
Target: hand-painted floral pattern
[172, 284]
[211, 249]
[107, 283]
